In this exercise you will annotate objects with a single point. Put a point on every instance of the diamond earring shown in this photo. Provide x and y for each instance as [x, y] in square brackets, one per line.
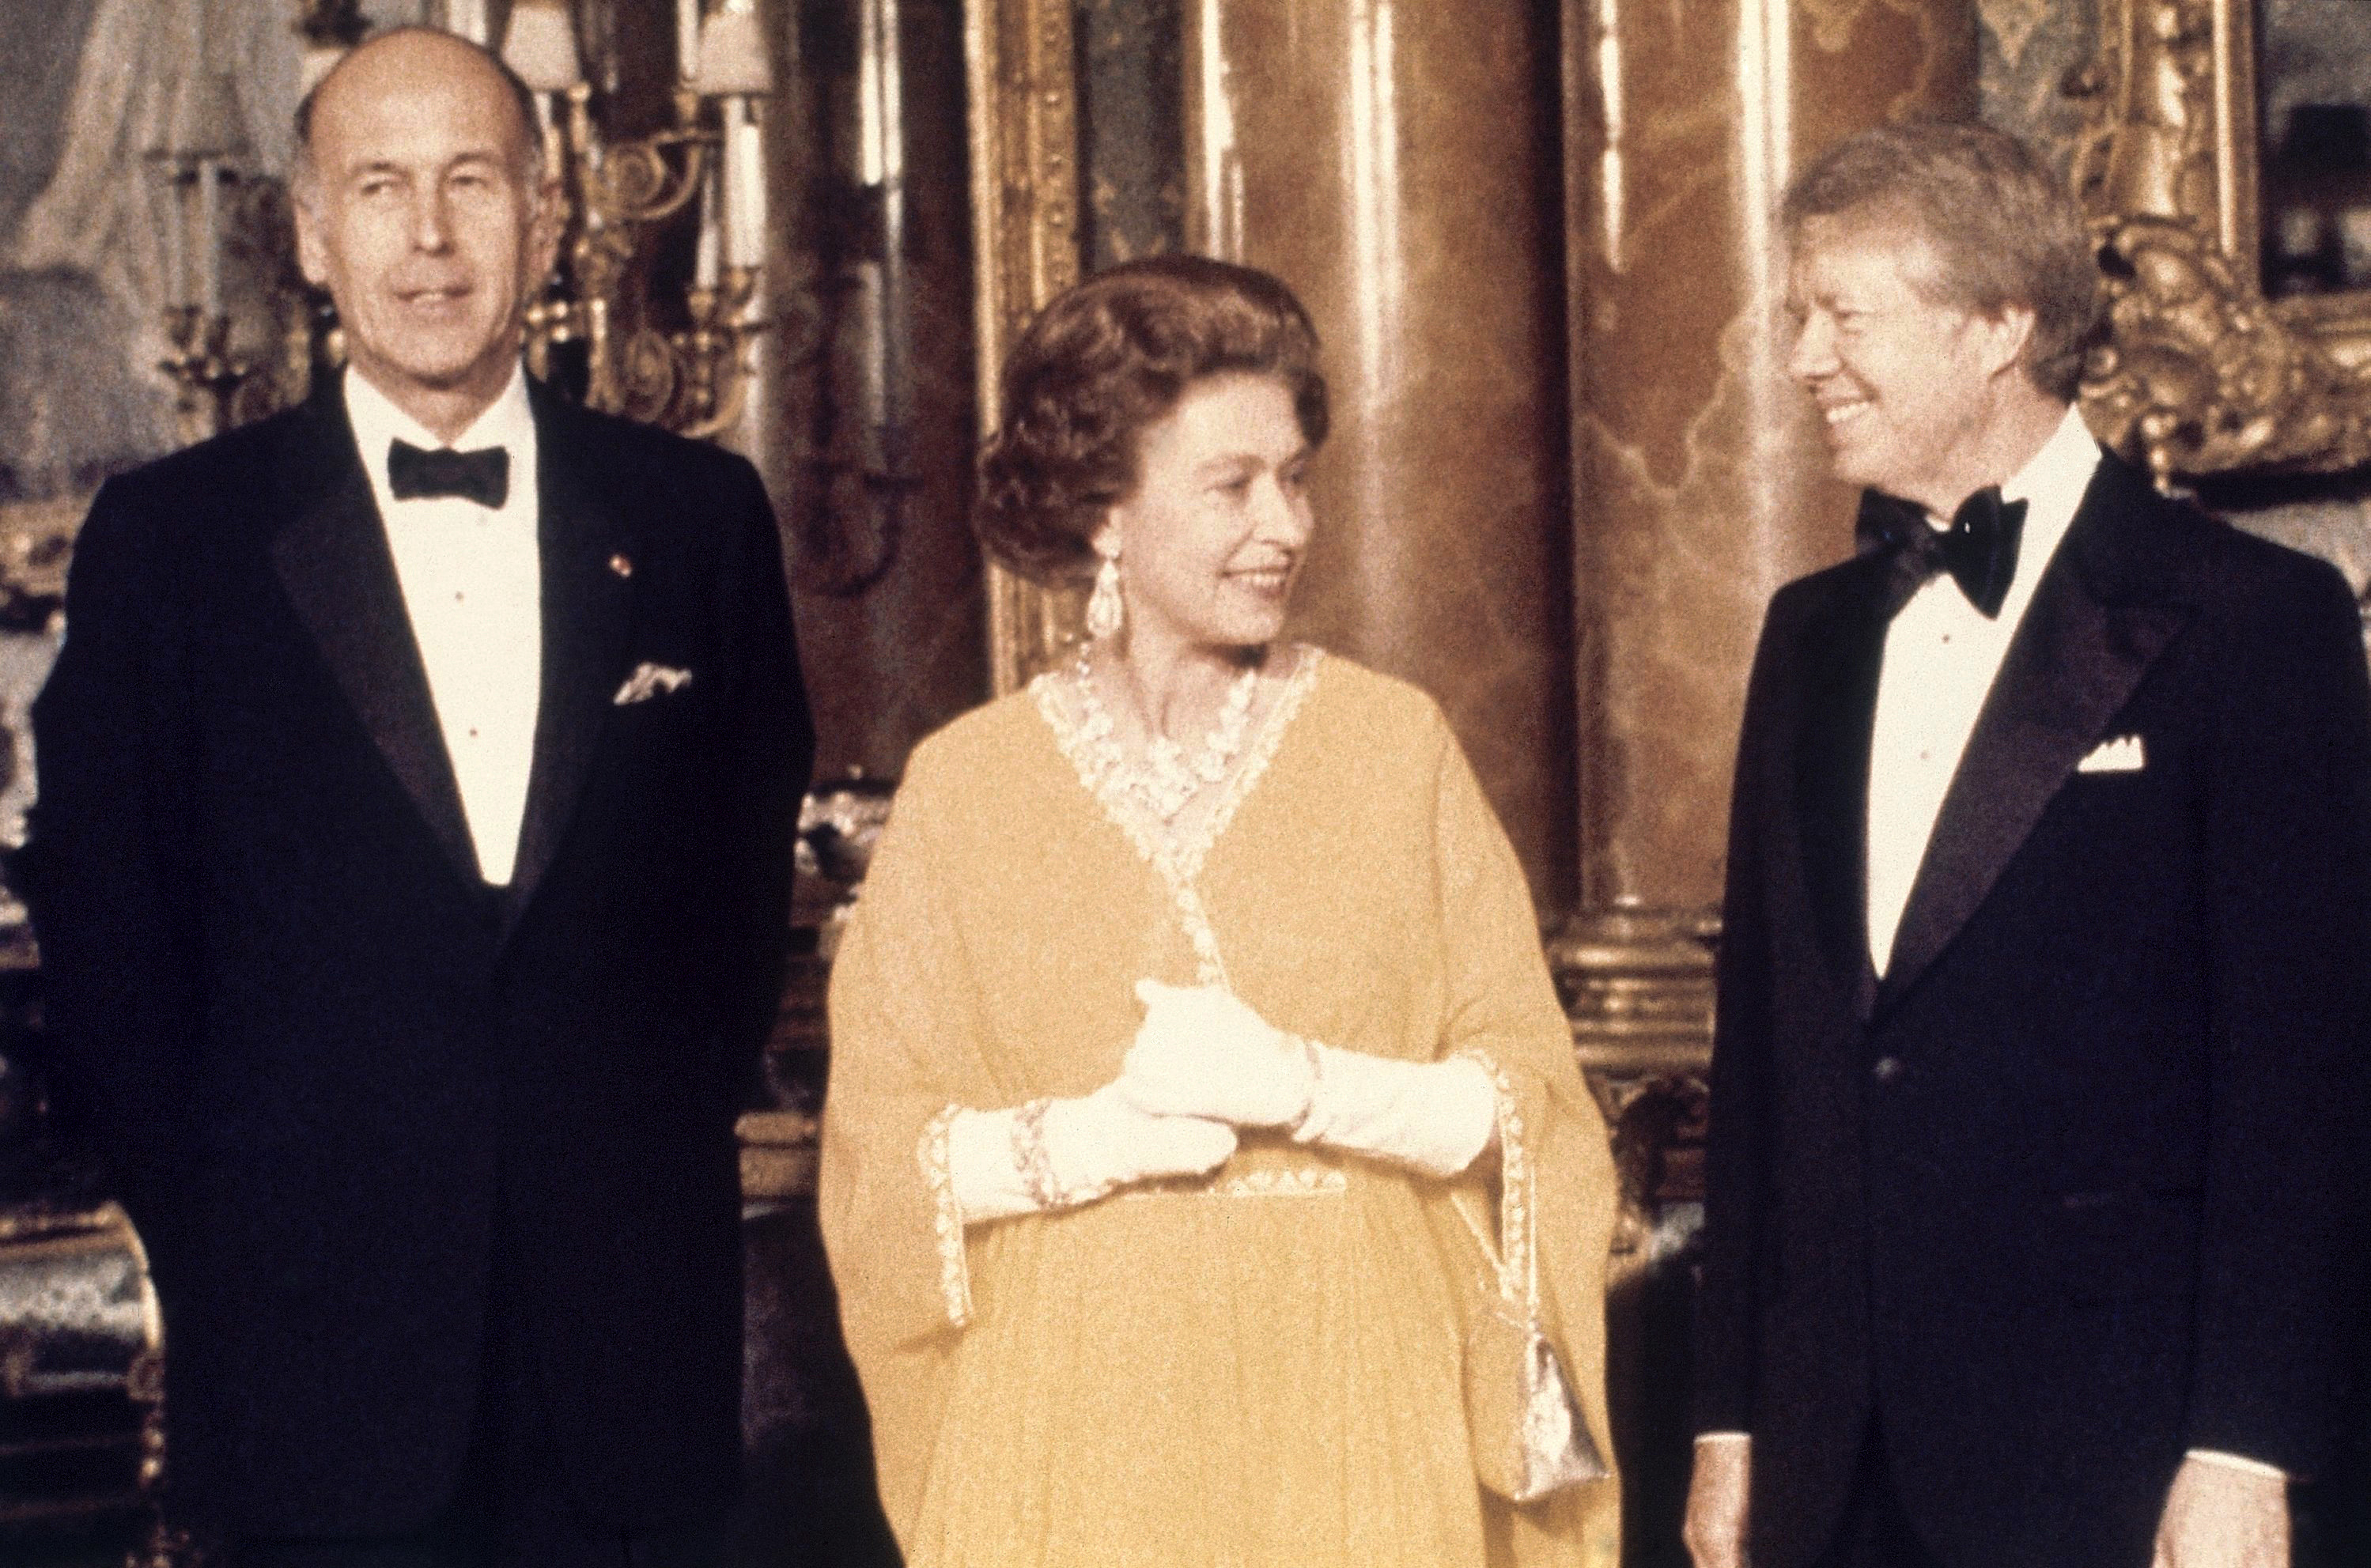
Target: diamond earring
[1104, 608]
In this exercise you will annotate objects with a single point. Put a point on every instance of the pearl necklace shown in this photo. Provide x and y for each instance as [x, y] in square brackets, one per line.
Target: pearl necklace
[1165, 779]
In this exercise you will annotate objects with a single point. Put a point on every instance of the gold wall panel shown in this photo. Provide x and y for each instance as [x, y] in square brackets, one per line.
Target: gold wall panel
[2204, 374]
[1024, 133]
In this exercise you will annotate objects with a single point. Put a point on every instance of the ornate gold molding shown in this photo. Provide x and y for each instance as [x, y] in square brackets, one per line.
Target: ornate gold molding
[2202, 373]
[1025, 167]
[1637, 986]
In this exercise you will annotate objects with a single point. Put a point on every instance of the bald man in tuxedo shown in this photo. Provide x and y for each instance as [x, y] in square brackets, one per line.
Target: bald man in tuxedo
[411, 870]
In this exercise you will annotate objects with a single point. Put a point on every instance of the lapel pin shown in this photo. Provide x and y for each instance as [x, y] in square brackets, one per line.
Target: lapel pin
[621, 564]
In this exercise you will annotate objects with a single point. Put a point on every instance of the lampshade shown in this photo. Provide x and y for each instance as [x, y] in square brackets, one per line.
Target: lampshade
[733, 53]
[466, 18]
[540, 45]
[319, 60]
[206, 123]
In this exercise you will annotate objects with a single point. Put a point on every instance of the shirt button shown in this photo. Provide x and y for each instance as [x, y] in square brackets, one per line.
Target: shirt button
[1887, 1070]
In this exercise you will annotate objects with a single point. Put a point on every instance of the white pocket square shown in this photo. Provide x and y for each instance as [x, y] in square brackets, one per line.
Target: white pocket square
[649, 681]
[2121, 755]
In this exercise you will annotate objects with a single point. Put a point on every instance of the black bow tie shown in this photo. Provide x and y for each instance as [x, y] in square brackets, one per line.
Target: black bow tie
[1979, 550]
[483, 475]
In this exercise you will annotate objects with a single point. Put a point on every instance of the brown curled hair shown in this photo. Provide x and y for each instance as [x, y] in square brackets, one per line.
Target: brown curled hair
[1101, 363]
[2003, 229]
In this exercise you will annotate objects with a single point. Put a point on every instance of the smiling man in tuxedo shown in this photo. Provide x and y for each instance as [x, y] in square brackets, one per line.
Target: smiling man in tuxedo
[2037, 1081]
[411, 870]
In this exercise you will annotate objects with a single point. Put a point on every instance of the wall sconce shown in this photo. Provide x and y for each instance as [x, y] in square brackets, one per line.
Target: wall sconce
[198, 156]
[694, 380]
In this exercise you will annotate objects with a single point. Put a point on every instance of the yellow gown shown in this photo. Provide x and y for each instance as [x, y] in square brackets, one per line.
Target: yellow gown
[1261, 1367]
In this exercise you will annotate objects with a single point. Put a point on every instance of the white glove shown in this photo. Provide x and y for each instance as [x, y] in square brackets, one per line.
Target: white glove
[1203, 1052]
[1436, 1117]
[1092, 1145]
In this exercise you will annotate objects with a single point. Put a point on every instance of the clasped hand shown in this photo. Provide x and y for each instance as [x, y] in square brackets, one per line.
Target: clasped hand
[1202, 1051]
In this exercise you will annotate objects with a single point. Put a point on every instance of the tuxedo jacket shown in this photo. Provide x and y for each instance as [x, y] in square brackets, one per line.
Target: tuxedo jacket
[2077, 1186]
[364, 1109]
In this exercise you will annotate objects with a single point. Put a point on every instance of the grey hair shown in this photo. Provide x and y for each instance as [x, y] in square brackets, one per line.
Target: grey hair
[2003, 230]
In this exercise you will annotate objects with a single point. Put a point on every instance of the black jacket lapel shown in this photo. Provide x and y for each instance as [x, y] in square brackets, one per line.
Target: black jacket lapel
[331, 557]
[586, 549]
[2105, 608]
[1839, 704]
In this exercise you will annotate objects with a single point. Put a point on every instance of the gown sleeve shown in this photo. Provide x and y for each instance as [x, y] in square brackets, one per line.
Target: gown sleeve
[905, 1060]
[1553, 1175]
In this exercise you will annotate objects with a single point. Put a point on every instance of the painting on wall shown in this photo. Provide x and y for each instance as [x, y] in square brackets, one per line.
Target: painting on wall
[2314, 142]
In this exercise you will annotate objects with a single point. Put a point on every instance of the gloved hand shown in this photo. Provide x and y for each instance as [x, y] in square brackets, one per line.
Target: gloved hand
[1203, 1052]
[1092, 1144]
[1101, 1141]
[1436, 1117]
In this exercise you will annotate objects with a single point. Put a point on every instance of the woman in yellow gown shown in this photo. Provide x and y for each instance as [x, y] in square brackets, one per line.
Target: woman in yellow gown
[1195, 1067]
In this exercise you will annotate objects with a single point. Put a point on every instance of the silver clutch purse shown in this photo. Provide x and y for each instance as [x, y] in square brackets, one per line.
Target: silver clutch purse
[1528, 1436]
[1525, 1427]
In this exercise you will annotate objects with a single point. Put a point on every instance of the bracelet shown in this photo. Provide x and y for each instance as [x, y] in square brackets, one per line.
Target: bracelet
[1030, 1158]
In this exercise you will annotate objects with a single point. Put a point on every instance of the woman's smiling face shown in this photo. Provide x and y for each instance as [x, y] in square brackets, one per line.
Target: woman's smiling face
[1213, 534]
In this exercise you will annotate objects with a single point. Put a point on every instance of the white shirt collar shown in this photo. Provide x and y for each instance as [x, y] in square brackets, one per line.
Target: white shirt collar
[508, 422]
[2050, 484]
[1941, 655]
[2057, 477]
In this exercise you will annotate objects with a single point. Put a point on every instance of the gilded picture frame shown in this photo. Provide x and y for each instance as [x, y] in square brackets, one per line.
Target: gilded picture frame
[1024, 171]
[2203, 375]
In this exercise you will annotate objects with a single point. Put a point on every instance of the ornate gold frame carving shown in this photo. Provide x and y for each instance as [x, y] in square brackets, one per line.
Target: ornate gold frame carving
[2203, 375]
[1024, 167]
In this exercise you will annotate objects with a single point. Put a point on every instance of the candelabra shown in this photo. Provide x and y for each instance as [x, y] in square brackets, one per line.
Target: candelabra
[197, 158]
[695, 379]
[618, 193]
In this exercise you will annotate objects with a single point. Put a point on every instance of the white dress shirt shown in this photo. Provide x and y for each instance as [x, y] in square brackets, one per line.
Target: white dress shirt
[1941, 654]
[472, 585]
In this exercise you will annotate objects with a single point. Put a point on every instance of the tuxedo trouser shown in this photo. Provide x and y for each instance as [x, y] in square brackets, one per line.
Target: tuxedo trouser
[1875, 1531]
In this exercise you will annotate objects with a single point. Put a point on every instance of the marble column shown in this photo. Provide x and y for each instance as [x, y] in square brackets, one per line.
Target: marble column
[1699, 478]
[1700, 488]
[1397, 164]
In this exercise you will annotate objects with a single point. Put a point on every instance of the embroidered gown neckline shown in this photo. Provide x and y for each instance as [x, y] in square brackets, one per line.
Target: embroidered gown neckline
[1176, 851]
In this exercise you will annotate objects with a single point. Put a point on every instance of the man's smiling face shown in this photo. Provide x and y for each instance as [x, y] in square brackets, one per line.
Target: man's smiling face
[1904, 383]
